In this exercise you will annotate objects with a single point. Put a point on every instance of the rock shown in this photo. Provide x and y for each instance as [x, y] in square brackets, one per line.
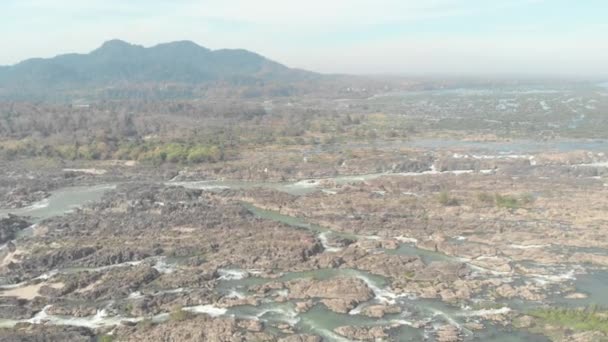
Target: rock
[265, 288]
[394, 266]
[361, 333]
[429, 292]
[378, 311]
[474, 326]
[340, 242]
[447, 271]
[527, 292]
[497, 264]
[432, 243]
[523, 322]
[40, 332]
[506, 291]
[252, 325]
[75, 310]
[447, 295]
[10, 225]
[198, 328]
[448, 333]
[576, 295]
[420, 324]
[329, 260]
[23, 196]
[304, 306]
[119, 282]
[230, 302]
[128, 323]
[11, 247]
[285, 328]
[15, 308]
[462, 290]
[390, 244]
[589, 258]
[588, 336]
[301, 338]
[115, 255]
[56, 257]
[340, 305]
[338, 294]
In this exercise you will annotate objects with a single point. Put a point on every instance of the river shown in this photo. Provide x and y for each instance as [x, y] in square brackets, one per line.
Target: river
[319, 320]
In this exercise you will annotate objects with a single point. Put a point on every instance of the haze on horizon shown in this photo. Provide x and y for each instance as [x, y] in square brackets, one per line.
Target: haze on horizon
[523, 37]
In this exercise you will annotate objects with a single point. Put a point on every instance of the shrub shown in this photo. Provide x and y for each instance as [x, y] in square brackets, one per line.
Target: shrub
[145, 324]
[527, 199]
[446, 200]
[199, 154]
[485, 197]
[105, 338]
[410, 274]
[586, 319]
[179, 315]
[506, 201]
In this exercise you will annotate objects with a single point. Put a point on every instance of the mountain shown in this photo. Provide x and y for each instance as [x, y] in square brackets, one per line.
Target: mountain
[120, 65]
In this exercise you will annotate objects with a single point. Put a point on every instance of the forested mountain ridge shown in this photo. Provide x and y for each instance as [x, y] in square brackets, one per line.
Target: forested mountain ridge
[181, 66]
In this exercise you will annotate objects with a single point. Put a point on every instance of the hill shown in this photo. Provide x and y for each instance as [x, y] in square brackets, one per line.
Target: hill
[120, 69]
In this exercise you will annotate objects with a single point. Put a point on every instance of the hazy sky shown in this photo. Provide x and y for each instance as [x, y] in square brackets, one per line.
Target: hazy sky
[567, 37]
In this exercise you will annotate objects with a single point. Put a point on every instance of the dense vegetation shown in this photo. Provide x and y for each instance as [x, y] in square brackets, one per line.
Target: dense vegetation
[221, 128]
[164, 131]
[586, 319]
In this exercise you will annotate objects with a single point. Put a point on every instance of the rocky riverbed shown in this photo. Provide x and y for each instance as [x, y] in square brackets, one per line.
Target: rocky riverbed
[455, 246]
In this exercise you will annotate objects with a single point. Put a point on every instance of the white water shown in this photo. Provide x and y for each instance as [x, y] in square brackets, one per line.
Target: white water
[383, 295]
[13, 286]
[544, 105]
[491, 157]
[36, 205]
[528, 246]
[123, 264]
[480, 269]
[325, 242]
[135, 295]
[448, 318]
[406, 239]
[202, 185]
[543, 279]
[357, 310]
[44, 276]
[235, 294]
[232, 274]
[288, 316]
[210, 310]
[327, 334]
[486, 312]
[100, 319]
[597, 164]
[308, 185]
[163, 267]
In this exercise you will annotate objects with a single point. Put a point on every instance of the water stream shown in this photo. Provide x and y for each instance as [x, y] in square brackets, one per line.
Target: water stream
[61, 202]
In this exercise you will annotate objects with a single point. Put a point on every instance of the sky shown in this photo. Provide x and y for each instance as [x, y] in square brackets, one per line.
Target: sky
[523, 37]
